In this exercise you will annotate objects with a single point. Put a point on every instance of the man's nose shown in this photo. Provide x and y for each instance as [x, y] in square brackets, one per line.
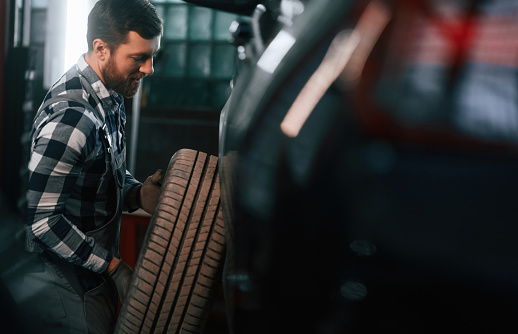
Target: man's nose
[147, 67]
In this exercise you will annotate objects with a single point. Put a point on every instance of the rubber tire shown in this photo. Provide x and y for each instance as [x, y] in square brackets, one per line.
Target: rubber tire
[178, 271]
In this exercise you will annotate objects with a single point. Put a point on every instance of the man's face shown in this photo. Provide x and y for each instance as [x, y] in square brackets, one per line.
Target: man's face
[129, 63]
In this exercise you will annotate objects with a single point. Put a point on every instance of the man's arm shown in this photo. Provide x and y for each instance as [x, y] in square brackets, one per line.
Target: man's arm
[145, 195]
[130, 193]
[57, 157]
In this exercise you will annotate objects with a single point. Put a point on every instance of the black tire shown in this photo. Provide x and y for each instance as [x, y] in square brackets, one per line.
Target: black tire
[178, 270]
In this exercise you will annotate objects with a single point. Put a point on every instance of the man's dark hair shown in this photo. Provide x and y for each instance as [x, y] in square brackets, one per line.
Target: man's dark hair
[112, 20]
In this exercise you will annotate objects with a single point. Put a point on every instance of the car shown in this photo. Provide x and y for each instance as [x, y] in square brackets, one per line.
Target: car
[368, 180]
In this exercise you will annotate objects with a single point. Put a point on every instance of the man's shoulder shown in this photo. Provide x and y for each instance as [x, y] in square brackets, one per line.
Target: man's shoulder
[69, 92]
[68, 109]
[69, 83]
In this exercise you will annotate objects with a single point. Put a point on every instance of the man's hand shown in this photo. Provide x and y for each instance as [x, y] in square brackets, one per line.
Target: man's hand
[150, 190]
[120, 273]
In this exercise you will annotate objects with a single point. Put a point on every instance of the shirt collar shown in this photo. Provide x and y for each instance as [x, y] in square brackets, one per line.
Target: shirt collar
[109, 98]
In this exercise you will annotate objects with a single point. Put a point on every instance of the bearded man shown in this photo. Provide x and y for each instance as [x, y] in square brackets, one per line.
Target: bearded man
[78, 183]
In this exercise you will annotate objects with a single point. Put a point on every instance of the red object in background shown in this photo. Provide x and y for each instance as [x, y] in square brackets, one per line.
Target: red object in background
[133, 230]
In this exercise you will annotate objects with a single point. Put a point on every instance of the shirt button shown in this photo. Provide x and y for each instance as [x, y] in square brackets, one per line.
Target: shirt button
[363, 247]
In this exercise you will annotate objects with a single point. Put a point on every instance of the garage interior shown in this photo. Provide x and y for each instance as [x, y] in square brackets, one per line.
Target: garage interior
[177, 107]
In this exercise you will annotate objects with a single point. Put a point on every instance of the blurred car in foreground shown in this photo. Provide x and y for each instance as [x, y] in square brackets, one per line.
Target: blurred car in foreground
[368, 166]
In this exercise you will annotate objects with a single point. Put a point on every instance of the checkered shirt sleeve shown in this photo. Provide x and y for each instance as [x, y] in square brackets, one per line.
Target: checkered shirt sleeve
[59, 152]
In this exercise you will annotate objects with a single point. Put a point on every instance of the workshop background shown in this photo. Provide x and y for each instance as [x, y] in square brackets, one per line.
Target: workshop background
[177, 107]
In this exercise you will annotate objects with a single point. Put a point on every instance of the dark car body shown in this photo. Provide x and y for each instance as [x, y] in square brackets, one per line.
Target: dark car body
[363, 219]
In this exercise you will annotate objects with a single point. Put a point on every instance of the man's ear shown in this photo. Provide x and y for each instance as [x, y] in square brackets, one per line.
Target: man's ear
[100, 49]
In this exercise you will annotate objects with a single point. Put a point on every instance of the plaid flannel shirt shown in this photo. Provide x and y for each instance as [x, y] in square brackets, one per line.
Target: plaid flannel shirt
[71, 187]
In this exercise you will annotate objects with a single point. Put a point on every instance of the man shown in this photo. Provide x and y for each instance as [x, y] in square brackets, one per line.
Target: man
[78, 182]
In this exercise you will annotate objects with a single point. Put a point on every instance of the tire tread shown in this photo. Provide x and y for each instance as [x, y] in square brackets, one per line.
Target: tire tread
[179, 266]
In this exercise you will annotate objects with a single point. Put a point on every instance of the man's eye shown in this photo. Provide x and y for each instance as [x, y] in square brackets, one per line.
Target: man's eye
[138, 58]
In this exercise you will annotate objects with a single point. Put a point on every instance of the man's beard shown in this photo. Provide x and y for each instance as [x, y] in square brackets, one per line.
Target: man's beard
[114, 80]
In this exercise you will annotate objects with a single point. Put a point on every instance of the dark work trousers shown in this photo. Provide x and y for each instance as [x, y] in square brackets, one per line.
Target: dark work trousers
[59, 297]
